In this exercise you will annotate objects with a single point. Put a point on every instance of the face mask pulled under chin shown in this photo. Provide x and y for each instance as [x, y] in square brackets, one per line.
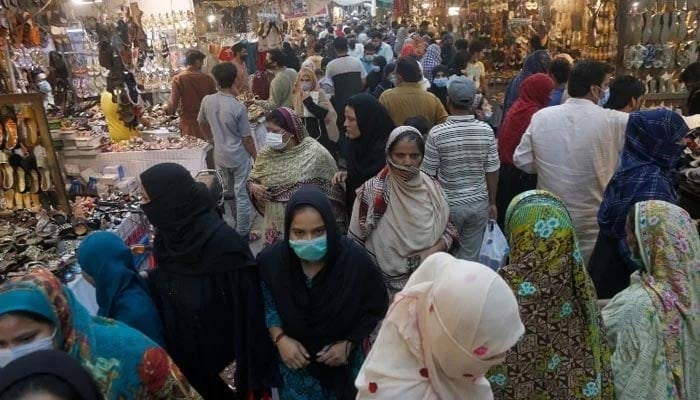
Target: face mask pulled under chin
[13, 353]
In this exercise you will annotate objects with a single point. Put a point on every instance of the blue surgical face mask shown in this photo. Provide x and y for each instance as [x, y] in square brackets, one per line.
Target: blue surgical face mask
[606, 96]
[440, 82]
[13, 353]
[369, 58]
[375, 68]
[310, 250]
[306, 86]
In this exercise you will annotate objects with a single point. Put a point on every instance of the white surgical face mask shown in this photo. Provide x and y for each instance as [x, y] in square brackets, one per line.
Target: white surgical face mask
[275, 141]
[13, 353]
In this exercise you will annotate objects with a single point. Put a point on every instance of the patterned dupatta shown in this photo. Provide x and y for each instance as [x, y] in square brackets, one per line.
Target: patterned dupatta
[563, 354]
[124, 363]
[670, 252]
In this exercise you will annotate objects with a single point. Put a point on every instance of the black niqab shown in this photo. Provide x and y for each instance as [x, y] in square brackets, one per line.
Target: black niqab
[366, 155]
[346, 300]
[182, 210]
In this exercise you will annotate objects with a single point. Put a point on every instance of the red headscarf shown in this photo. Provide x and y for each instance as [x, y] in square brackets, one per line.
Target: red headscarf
[535, 93]
[408, 50]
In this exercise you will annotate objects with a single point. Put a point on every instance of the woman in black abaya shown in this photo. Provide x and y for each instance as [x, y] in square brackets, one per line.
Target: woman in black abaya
[323, 298]
[205, 286]
[367, 125]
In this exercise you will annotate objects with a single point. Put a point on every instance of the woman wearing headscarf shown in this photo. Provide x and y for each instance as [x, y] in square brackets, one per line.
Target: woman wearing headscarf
[108, 264]
[318, 115]
[290, 160]
[409, 49]
[438, 85]
[430, 61]
[368, 126]
[432, 346]
[47, 372]
[323, 298]
[401, 36]
[537, 62]
[447, 49]
[205, 285]
[124, 363]
[563, 354]
[535, 92]
[376, 75]
[388, 81]
[652, 325]
[401, 216]
[654, 142]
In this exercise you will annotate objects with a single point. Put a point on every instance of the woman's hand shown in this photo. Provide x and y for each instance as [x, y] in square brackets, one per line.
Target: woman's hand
[436, 248]
[293, 353]
[335, 355]
[260, 192]
[305, 95]
[339, 178]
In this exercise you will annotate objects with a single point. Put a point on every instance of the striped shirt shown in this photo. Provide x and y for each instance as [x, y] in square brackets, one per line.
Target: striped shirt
[460, 153]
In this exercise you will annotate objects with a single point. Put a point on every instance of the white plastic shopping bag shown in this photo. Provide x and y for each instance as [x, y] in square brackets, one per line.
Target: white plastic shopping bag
[494, 248]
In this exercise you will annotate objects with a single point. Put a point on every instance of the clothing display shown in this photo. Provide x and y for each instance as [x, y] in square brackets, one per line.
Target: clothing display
[563, 351]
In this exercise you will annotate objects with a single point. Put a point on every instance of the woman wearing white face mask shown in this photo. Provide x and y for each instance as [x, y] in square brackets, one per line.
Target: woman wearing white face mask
[401, 215]
[317, 113]
[290, 160]
[38, 313]
[438, 86]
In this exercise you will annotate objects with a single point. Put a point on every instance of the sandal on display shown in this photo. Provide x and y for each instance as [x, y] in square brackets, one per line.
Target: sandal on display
[9, 199]
[21, 180]
[19, 201]
[31, 125]
[11, 130]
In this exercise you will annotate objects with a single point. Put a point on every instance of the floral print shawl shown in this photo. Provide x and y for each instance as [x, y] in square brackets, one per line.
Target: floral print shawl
[284, 172]
[124, 363]
[563, 354]
[654, 324]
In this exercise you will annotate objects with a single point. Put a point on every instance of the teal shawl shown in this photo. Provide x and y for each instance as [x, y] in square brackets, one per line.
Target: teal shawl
[124, 363]
[121, 294]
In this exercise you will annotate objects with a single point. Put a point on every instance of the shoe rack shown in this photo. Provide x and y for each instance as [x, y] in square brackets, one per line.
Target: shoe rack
[658, 39]
[29, 173]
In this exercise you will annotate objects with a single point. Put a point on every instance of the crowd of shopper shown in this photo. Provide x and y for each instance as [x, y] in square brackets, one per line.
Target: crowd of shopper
[378, 177]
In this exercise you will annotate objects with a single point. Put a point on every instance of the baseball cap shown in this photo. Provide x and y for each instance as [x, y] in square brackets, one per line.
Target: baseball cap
[461, 90]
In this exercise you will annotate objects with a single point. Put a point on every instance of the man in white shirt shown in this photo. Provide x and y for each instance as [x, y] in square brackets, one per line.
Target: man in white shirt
[355, 50]
[384, 49]
[574, 148]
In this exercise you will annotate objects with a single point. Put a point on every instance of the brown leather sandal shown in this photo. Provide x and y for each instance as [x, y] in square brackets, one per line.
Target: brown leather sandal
[11, 130]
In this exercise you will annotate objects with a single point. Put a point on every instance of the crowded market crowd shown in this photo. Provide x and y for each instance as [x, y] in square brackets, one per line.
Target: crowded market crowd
[382, 168]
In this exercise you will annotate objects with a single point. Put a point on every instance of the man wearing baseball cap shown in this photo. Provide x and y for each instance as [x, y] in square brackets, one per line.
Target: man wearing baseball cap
[462, 155]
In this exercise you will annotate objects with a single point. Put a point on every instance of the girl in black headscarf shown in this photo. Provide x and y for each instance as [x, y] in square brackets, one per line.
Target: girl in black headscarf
[49, 372]
[368, 125]
[323, 298]
[205, 286]
[376, 76]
